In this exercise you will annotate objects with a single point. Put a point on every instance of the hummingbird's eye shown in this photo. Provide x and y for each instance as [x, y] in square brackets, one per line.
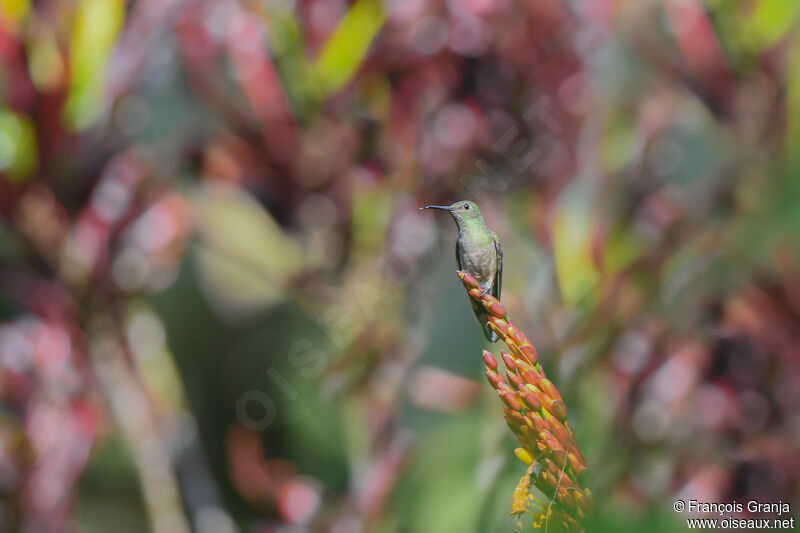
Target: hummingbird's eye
[466, 206]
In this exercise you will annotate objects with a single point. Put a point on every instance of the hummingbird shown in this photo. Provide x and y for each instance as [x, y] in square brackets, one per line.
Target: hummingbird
[479, 252]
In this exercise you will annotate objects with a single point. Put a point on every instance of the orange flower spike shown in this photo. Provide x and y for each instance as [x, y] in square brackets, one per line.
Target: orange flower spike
[535, 411]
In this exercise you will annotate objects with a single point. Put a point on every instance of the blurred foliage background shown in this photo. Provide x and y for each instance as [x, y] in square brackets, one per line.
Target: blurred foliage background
[223, 311]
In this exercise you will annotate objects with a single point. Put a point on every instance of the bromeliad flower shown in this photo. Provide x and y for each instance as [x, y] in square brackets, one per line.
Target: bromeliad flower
[536, 413]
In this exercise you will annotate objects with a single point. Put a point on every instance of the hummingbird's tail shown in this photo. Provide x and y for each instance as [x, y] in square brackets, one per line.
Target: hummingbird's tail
[489, 332]
[483, 318]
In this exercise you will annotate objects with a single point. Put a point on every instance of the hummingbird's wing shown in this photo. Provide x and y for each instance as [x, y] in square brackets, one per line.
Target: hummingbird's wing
[477, 307]
[497, 286]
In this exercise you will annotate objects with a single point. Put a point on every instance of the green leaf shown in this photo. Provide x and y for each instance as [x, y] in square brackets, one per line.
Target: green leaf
[45, 63]
[14, 12]
[348, 46]
[772, 19]
[372, 210]
[245, 260]
[17, 145]
[619, 144]
[793, 105]
[577, 274]
[622, 248]
[97, 25]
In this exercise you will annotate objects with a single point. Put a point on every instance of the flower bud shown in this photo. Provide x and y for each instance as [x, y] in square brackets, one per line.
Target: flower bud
[490, 360]
[524, 455]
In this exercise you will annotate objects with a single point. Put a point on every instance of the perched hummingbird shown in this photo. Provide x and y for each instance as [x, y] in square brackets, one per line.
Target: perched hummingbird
[479, 252]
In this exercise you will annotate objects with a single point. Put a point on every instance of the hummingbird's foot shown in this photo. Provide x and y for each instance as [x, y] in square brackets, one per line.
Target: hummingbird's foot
[484, 291]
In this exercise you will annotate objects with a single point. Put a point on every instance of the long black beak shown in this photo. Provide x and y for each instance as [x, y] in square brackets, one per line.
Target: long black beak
[442, 207]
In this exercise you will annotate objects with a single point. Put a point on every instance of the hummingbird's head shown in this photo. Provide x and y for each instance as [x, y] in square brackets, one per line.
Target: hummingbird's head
[460, 211]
